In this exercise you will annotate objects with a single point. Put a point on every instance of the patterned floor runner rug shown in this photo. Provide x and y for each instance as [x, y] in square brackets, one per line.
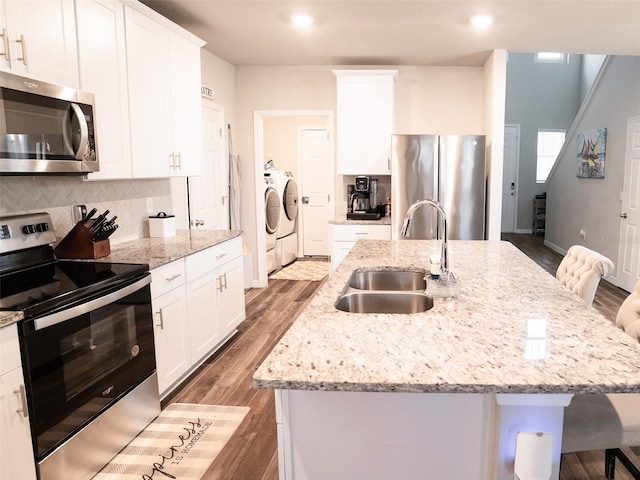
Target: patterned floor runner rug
[179, 444]
[312, 270]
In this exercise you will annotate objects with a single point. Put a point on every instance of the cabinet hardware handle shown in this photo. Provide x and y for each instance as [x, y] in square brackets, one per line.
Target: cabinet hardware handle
[172, 160]
[23, 42]
[7, 50]
[23, 400]
[219, 287]
[218, 257]
[362, 233]
[179, 157]
[172, 277]
[224, 200]
[159, 312]
[225, 281]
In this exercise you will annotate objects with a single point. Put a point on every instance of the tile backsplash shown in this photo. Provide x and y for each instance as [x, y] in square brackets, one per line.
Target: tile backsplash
[131, 200]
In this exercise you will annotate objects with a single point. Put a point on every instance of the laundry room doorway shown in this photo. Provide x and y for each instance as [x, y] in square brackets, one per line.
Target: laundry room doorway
[276, 142]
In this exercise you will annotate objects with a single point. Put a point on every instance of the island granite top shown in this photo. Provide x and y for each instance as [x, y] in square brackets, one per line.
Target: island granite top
[513, 329]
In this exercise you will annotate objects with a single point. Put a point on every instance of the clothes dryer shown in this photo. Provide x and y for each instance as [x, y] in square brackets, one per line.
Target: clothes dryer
[272, 220]
[287, 236]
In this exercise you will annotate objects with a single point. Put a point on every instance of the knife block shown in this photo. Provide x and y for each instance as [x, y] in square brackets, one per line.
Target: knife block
[78, 244]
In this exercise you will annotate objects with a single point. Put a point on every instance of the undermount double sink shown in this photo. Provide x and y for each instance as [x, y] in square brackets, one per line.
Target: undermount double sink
[385, 291]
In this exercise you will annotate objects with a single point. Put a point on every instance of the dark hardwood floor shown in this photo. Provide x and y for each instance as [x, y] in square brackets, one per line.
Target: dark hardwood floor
[225, 378]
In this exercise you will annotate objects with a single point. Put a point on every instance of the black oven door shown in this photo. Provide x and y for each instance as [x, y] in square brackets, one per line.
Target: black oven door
[80, 360]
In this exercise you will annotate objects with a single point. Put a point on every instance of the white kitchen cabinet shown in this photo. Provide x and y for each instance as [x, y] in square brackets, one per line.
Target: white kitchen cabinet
[164, 99]
[345, 236]
[103, 71]
[197, 304]
[16, 450]
[365, 121]
[216, 280]
[171, 327]
[39, 40]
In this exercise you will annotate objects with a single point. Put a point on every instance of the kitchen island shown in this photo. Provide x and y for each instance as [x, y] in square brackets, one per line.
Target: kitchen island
[445, 391]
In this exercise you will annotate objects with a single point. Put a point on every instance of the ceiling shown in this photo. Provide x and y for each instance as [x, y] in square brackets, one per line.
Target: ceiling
[403, 32]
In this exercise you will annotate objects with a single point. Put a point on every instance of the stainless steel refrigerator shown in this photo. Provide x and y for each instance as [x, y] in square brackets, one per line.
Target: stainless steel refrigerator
[448, 168]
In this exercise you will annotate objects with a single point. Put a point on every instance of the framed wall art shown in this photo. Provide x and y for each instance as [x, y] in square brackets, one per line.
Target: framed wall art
[591, 153]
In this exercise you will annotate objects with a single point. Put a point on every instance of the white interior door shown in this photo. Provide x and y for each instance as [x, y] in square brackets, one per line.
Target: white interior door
[629, 254]
[208, 193]
[315, 195]
[509, 177]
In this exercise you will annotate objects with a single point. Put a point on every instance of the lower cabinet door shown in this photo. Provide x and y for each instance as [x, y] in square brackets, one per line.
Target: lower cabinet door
[16, 451]
[171, 335]
[231, 309]
[204, 330]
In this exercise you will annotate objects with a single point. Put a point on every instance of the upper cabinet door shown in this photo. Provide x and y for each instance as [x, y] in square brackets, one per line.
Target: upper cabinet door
[365, 121]
[103, 72]
[39, 40]
[186, 110]
[149, 106]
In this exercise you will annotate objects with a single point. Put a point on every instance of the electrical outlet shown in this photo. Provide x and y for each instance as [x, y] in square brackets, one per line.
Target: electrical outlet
[149, 205]
[583, 234]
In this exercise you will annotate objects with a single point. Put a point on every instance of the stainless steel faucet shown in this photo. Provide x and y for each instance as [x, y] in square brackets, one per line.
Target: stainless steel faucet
[444, 255]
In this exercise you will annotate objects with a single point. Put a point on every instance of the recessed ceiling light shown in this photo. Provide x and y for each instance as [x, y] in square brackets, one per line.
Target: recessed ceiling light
[302, 20]
[481, 22]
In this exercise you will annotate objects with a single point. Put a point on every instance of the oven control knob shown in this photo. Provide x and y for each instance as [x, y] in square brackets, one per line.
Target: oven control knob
[42, 227]
[28, 229]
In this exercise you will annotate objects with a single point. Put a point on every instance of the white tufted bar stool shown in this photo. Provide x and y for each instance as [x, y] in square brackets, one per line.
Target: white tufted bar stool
[581, 270]
[608, 422]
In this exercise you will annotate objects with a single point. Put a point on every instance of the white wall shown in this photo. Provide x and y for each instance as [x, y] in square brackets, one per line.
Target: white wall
[539, 95]
[594, 204]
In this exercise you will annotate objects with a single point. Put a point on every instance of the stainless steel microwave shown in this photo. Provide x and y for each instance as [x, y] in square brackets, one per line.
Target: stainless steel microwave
[45, 128]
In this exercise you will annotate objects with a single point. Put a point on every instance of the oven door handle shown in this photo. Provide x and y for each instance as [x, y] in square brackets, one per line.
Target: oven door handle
[64, 315]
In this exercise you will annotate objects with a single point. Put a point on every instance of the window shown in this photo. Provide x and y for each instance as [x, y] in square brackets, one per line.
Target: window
[549, 145]
[551, 57]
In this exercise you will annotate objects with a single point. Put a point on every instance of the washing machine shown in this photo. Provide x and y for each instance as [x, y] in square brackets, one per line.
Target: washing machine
[271, 219]
[286, 236]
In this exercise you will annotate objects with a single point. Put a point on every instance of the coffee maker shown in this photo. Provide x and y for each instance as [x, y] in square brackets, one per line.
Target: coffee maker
[362, 198]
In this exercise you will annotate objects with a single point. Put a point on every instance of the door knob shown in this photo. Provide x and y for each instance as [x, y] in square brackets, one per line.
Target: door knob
[305, 200]
[623, 215]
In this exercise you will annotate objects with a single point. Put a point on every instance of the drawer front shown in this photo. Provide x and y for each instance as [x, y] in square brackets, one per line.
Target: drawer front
[350, 233]
[211, 258]
[167, 277]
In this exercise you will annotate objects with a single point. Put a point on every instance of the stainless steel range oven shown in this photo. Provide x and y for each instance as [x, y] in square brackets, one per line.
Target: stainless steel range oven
[87, 349]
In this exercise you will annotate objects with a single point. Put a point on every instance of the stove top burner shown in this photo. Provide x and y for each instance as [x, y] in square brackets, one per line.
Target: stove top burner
[42, 287]
[33, 281]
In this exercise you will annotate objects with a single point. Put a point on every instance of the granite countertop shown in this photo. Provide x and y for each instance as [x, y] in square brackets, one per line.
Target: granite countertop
[160, 251]
[513, 329]
[345, 221]
[153, 251]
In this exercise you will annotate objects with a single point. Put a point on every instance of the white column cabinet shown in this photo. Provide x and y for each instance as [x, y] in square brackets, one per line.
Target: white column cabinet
[39, 40]
[364, 121]
[16, 450]
[164, 99]
[170, 320]
[103, 71]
